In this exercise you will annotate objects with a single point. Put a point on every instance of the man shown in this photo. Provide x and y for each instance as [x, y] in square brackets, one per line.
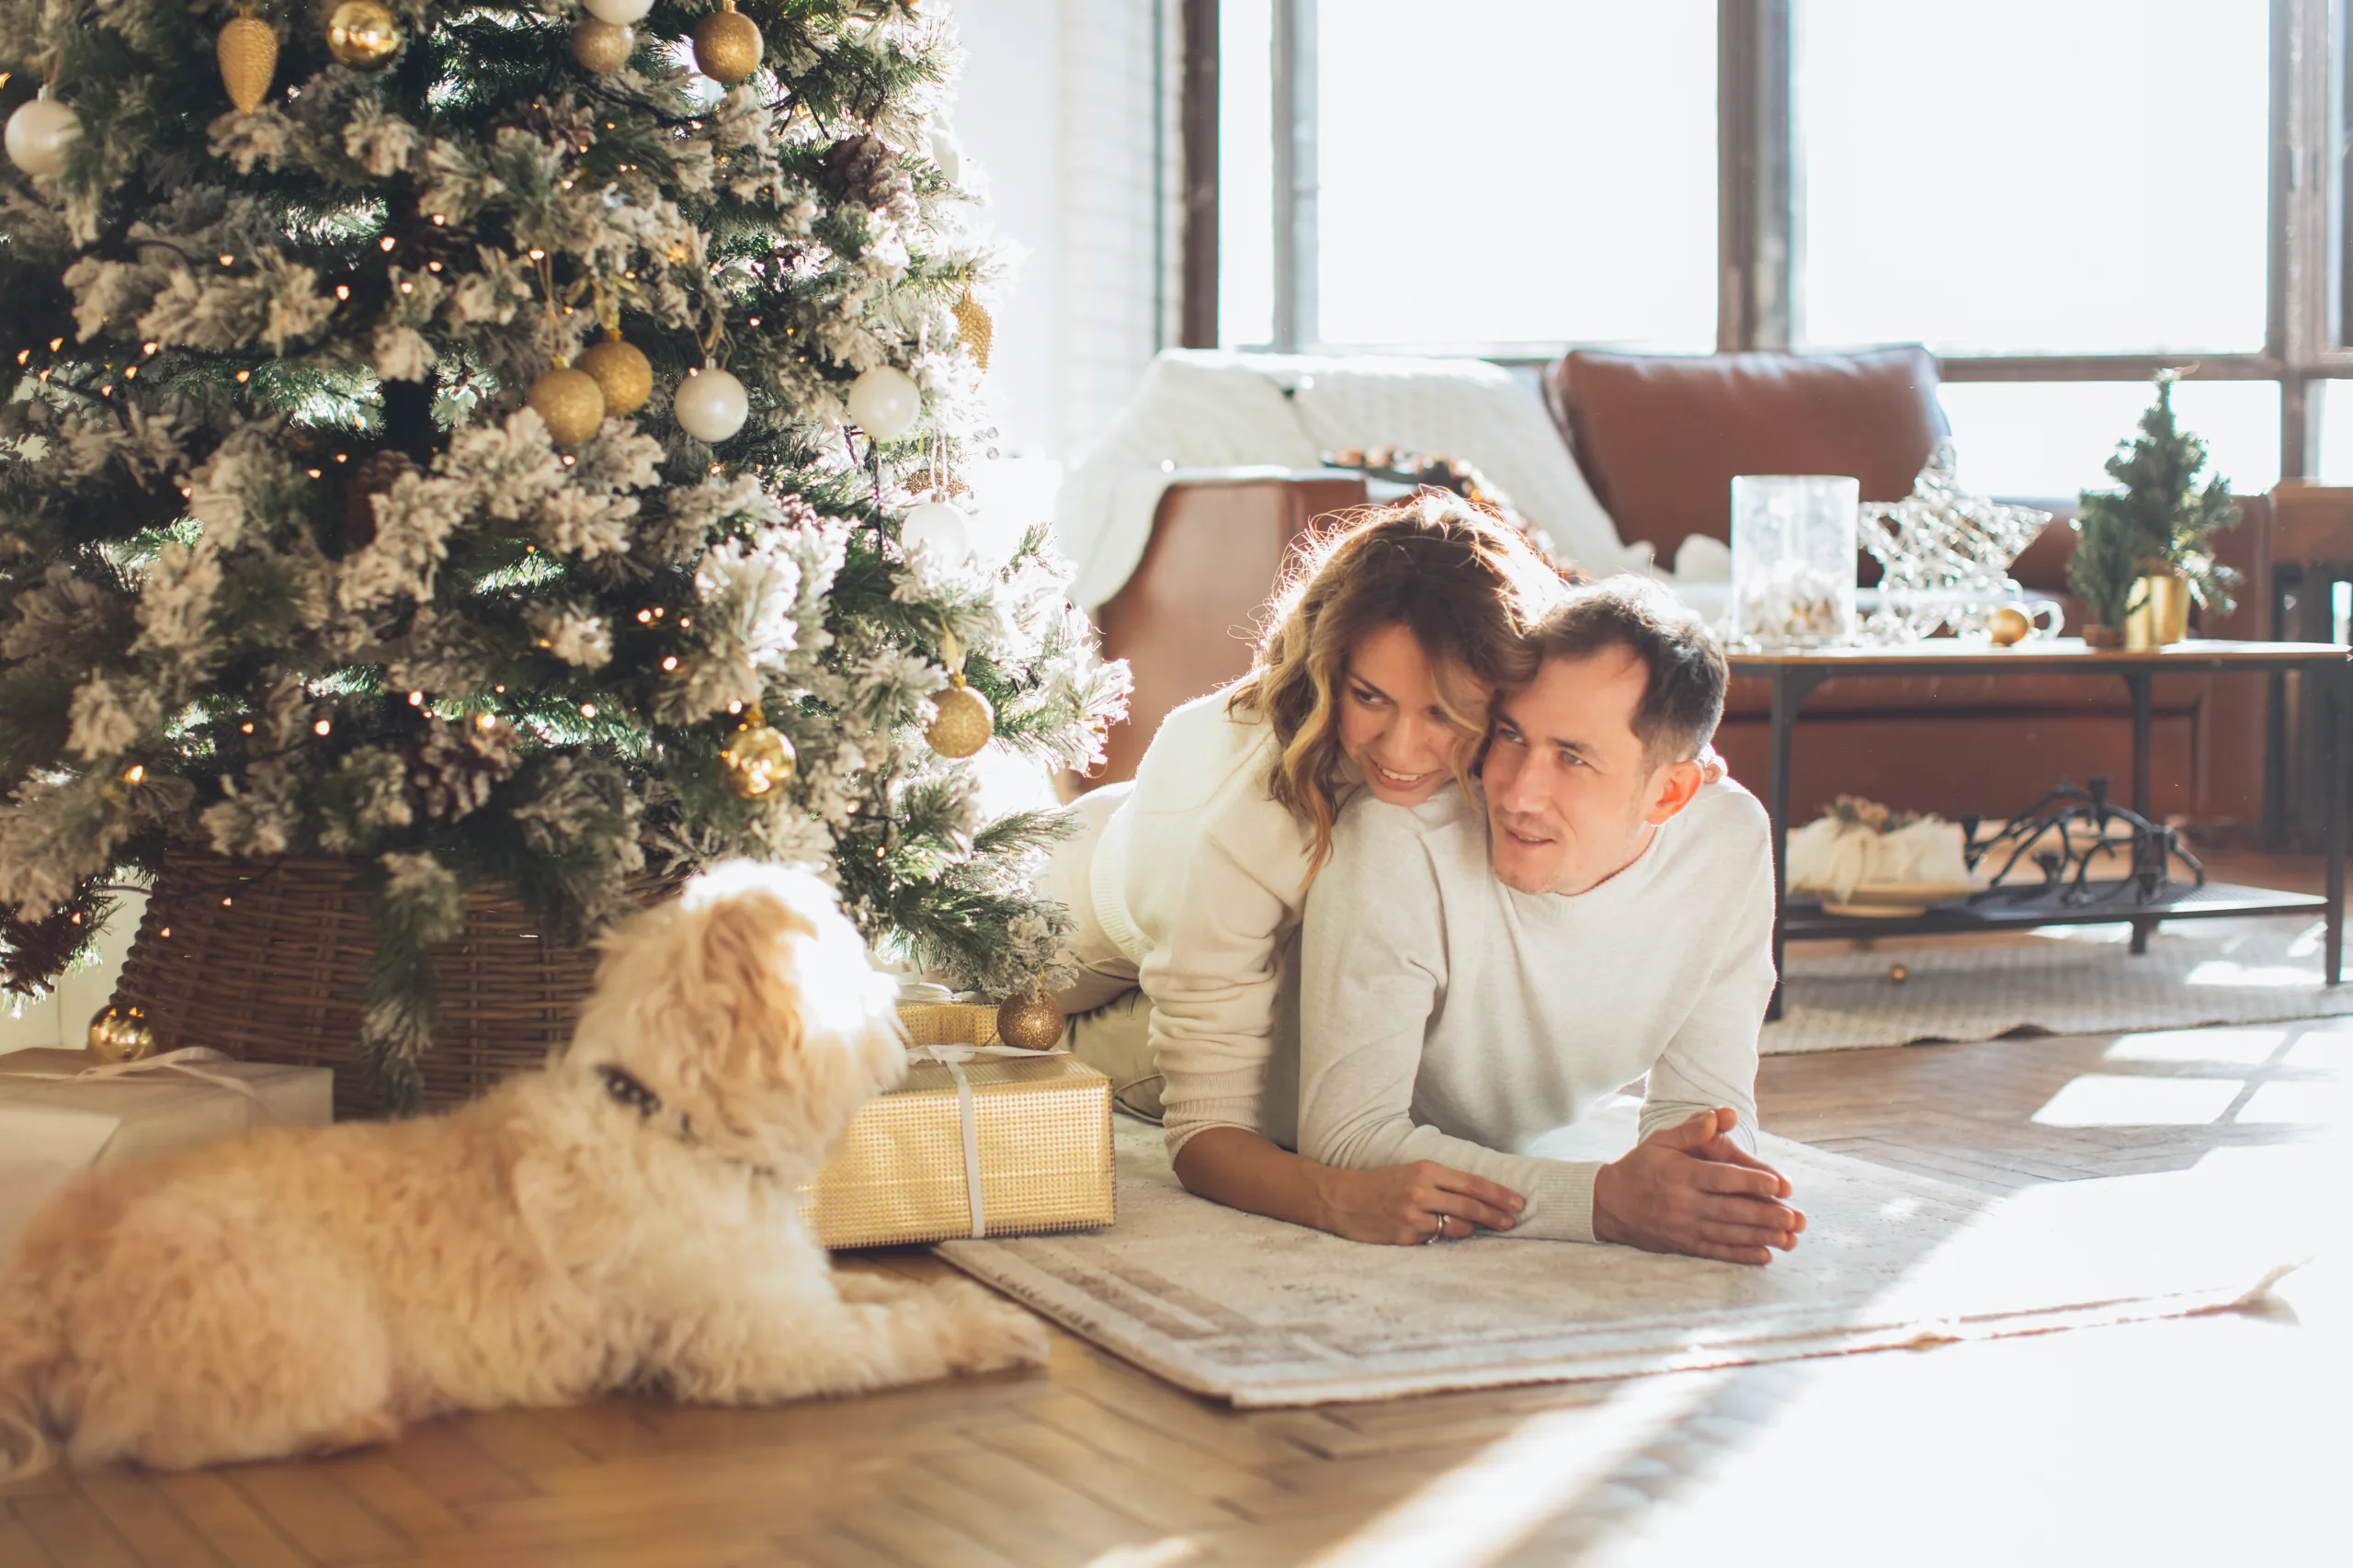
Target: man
[1476, 973]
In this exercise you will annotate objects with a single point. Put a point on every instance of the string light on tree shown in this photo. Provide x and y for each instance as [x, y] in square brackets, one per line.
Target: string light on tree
[710, 406]
[40, 134]
[884, 402]
[247, 52]
[619, 13]
[364, 35]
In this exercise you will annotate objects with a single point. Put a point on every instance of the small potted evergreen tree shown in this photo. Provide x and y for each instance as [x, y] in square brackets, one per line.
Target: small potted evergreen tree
[2152, 545]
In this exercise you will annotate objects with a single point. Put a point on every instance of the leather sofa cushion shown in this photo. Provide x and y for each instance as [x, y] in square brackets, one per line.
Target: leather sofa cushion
[1660, 436]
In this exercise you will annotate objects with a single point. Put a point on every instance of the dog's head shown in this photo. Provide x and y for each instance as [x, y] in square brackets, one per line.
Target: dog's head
[743, 1017]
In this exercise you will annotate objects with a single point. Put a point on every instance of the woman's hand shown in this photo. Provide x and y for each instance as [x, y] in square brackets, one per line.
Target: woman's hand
[1408, 1205]
[1712, 763]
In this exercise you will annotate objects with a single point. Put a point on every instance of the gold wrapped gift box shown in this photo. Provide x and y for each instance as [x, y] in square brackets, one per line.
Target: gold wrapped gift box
[1042, 1131]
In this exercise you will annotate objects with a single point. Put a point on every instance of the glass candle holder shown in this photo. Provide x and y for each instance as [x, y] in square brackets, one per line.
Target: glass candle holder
[1794, 543]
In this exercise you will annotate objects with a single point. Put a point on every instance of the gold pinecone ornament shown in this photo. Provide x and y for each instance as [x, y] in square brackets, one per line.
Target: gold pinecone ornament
[602, 47]
[757, 759]
[973, 326]
[247, 51]
[569, 402]
[622, 374]
[364, 35]
[727, 45]
[1029, 1022]
[120, 1034]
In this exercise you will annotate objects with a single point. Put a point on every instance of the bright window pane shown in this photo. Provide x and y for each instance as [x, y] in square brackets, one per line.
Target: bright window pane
[1516, 171]
[2336, 466]
[2051, 439]
[1246, 174]
[2033, 175]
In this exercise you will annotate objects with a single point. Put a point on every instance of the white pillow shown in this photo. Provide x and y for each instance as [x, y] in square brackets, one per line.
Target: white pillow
[1457, 408]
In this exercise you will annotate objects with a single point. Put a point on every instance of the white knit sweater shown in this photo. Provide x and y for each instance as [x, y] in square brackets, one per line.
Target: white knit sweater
[1198, 879]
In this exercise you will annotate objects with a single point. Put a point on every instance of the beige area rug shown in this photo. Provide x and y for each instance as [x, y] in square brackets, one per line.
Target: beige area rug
[1264, 1313]
[2068, 980]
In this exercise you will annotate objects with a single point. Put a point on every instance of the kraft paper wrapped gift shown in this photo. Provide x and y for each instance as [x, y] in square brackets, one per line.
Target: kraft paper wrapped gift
[980, 1141]
[58, 1118]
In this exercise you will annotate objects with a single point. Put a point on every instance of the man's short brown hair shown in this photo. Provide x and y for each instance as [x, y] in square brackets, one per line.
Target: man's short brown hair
[1684, 697]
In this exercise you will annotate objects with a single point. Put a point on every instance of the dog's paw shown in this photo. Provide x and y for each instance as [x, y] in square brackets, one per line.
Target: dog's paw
[988, 1333]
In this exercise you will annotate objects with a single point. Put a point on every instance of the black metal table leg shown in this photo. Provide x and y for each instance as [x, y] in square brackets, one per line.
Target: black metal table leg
[1790, 687]
[2143, 720]
[2334, 684]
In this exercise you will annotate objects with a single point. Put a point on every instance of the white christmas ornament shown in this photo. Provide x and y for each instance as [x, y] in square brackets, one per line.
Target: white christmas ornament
[938, 529]
[40, 133]
[619, 13]
[946, 151]
[884, 402]
[710, 406]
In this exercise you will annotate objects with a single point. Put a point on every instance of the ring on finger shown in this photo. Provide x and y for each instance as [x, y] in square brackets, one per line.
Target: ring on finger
[1439, 1234]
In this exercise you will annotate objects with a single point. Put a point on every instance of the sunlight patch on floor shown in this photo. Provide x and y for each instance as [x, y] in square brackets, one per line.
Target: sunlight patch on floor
[2234, 1048]
[2102, 1099]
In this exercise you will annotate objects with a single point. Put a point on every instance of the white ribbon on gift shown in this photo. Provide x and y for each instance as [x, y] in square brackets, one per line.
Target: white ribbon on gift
[954, 1058]
[183, 1061]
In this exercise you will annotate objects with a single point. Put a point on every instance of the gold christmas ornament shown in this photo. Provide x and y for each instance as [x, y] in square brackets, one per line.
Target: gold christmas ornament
[602, 47]
[569, 402]
[247, 51]
[120, 1034]
[1029, 1022]
[622, 374]
[963, 720]
[972, 322]
[727, 45]
[364, 35]
[758, 759]
[2007, 626]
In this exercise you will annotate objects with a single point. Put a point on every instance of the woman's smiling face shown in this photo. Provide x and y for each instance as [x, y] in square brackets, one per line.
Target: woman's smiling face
[1393, 724]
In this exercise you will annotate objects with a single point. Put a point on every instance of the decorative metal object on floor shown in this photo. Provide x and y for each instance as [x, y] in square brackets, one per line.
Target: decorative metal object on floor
[2068, 833]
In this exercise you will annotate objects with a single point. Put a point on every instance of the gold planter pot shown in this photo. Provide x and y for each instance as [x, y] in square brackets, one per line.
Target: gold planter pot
[2157, 613]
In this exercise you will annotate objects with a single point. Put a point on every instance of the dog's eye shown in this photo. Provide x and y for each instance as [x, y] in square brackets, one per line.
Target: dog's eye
[624, 1087]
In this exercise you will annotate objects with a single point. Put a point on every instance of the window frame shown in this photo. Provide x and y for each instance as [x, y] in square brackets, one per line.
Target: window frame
[2309, 303]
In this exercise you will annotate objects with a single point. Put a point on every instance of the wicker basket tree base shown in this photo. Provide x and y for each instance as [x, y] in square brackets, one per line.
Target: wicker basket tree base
[271, 963]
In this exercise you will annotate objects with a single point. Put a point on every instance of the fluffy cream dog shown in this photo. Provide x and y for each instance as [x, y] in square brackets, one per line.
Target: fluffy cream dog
[626, 1218]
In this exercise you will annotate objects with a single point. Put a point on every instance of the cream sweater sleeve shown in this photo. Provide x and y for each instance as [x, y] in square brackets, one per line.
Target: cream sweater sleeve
[1216, 972]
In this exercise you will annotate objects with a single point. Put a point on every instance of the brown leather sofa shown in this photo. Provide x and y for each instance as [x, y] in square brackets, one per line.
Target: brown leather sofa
[1659, 438]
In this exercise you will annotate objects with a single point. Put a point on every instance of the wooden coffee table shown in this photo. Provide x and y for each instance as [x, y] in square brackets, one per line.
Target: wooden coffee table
[1794, 677]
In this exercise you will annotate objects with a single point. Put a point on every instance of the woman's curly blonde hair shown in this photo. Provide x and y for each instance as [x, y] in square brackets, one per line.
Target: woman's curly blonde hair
[1467, 586]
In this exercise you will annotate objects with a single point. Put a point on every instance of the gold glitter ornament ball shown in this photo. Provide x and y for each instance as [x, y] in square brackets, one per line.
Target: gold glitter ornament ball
[2007, 626]
[247, 51]
[120, 1034]
[964, 722]
[602, 47]
[758, 759]
[727, 45]
[1029, 1022]
[364, 35]
[973, 324]
[569, 402]
[622, 374]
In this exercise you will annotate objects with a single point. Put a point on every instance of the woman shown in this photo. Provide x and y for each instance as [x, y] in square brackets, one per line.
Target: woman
[1374, 673]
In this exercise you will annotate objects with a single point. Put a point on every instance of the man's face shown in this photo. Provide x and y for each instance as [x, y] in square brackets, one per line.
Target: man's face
[1570, 790]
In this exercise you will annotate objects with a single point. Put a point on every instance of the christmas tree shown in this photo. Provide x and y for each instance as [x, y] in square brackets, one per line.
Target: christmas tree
[2163, 521]
[497, 444]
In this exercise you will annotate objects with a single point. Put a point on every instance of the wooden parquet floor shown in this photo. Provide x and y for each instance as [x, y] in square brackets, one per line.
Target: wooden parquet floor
[2218, 1439]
